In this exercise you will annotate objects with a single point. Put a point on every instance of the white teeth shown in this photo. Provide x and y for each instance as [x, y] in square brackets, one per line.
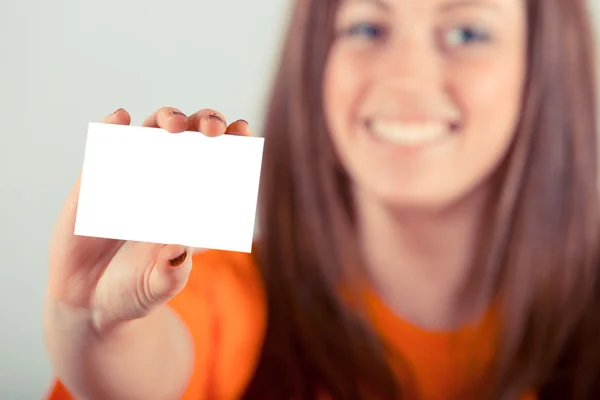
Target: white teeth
[408, 134]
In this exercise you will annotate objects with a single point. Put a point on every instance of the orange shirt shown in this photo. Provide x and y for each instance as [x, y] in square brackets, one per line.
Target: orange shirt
[224, 308]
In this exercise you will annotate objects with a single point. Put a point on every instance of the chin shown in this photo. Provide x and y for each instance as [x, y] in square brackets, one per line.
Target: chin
[418, 202]
[434, 198]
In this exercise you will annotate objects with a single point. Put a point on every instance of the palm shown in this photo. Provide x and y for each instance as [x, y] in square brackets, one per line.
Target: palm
[76, 262]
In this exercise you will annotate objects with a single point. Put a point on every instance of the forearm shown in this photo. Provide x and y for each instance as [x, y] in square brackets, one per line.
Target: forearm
[149, 358]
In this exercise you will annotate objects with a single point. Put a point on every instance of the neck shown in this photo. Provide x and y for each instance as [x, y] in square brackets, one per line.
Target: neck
[419, 261]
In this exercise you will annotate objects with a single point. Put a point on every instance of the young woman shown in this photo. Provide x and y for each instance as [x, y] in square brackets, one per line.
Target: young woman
[429, 225]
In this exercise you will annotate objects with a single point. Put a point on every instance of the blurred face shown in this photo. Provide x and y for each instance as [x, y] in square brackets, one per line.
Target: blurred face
[422, 96]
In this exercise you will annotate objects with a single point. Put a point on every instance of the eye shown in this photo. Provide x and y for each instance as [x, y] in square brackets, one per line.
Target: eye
[365, 31]
[465, 36]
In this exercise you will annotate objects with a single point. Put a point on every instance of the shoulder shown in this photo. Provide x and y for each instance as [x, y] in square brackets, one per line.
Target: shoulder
[217, 264]
[224, 307]
[227, 281]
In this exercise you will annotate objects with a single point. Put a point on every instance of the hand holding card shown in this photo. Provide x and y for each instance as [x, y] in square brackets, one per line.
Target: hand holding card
[147, 196]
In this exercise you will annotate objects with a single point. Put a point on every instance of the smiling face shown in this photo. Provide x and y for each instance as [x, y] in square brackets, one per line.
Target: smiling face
[422, 97]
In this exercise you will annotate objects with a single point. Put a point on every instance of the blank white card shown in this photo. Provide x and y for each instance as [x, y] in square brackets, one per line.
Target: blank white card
[147, 185]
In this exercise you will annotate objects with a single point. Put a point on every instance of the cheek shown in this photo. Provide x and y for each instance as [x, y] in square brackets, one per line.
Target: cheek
[342, 88]
[490, 91]
[490, 96]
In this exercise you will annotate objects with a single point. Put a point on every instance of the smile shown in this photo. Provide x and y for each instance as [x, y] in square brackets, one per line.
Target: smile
[408, 134]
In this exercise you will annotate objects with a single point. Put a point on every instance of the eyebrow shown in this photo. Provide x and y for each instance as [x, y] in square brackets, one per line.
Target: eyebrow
[452, 5]
[446, 7]
[383, 4]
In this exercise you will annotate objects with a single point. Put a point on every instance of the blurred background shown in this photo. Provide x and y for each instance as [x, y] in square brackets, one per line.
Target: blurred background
[66, 63]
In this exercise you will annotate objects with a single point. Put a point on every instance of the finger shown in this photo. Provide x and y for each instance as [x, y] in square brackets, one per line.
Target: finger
[119, 117]
[208, 122]
[167, 118]
[173, 267]
[239, 128]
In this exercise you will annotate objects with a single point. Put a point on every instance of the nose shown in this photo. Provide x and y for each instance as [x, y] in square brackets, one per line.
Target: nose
[408, 63]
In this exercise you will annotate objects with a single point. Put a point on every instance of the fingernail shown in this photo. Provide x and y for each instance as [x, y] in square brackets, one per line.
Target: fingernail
[177, 261]
[116, 111]
[177, 112]
[215, 116]
[243, 120]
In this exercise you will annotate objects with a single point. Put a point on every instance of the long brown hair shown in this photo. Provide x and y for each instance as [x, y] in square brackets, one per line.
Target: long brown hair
[542, 246]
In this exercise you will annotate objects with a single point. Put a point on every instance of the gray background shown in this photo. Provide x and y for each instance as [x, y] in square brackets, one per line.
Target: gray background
[65, 63]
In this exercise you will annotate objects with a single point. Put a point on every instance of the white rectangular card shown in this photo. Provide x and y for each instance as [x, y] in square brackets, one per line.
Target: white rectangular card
[147, 185]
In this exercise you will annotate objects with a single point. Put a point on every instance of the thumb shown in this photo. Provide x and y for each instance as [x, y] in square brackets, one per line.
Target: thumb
[171, 273]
